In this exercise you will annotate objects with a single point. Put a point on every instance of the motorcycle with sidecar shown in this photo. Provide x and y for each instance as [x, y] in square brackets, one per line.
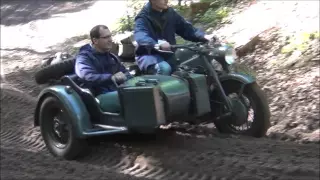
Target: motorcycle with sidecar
[197, 92]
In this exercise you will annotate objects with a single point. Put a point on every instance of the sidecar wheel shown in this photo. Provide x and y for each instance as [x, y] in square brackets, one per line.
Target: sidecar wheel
[57, 131]
[253, 96]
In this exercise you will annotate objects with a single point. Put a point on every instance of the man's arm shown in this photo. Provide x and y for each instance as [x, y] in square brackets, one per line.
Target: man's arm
[187, 31]
[141, 34]
[142, 37]
[85, 70]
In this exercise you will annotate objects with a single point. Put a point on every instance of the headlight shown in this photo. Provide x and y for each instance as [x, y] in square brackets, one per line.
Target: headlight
[230, 55]
[225, 51]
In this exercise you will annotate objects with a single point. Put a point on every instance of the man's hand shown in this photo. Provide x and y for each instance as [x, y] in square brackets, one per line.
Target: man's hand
[165, 46]
[119, 77]
[211, 37]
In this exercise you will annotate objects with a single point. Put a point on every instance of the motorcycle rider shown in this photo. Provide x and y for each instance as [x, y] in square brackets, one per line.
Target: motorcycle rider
[98, 69]
[157, 23]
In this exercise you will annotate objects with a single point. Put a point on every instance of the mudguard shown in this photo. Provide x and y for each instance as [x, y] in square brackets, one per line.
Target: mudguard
[243, 78]
[72, 102]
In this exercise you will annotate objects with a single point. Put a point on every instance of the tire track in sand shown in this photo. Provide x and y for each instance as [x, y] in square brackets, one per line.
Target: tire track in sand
[33, 165]
[179, 157]
[17, 120]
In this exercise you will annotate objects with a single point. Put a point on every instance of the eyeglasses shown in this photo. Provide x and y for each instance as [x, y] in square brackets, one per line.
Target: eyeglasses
[105, 37]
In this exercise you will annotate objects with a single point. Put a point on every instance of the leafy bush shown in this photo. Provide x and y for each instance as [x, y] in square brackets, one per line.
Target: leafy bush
[220, 2]
[126, 23]
[213, 16]
[183, 10]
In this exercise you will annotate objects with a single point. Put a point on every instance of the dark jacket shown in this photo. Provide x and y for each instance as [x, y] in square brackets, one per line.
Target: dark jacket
[151, 25]
[96, 69]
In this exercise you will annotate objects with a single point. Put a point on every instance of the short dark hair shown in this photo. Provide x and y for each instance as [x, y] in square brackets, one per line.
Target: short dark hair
[95, 31]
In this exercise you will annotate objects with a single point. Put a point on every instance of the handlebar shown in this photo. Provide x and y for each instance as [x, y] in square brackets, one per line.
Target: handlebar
[157, 47]
[199, 47]
[192, 46]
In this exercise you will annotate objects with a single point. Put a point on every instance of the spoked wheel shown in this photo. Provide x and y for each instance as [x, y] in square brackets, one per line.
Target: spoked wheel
[57, 131]
[250, 111]
[60, 131]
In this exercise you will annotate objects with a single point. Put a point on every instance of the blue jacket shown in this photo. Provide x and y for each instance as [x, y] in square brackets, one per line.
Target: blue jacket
[151, 25]
[96, 69]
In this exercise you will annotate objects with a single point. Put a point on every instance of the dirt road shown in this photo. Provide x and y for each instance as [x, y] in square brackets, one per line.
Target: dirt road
[170, 155]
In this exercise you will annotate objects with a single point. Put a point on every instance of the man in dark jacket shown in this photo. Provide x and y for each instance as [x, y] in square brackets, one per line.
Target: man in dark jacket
[98, 69]
[155, 24]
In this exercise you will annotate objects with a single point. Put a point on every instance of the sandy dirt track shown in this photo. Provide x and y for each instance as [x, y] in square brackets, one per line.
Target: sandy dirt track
[169, 155]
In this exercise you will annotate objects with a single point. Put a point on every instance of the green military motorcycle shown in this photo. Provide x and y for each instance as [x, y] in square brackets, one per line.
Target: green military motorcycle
[238, 104]
[198, 91]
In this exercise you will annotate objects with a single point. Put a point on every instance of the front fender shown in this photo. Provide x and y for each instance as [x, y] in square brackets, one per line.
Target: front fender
[72, 102]
[243, 78]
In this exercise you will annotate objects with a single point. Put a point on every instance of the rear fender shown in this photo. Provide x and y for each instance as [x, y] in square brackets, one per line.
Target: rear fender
[72, 102]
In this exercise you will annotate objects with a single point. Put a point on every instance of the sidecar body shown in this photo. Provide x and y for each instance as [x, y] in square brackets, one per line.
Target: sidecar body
[68, 114]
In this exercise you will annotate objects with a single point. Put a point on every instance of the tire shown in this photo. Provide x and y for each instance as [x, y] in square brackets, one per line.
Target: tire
[261, 121]
[73, 147]
[55, 71]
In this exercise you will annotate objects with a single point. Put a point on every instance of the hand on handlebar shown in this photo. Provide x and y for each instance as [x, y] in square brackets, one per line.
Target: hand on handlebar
[165, 46]
[119, 77]
[211, 38]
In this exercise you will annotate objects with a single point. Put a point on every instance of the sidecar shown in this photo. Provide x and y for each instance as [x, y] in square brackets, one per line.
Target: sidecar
[68, 115]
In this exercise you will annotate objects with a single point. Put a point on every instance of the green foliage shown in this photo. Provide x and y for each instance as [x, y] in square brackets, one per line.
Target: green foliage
[183, 10]
[126, 23]
[213, 17]
[293, 51]
[220, 2]
[299, 42]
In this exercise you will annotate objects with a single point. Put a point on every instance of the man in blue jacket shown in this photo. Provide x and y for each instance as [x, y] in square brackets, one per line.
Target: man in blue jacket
[157, 23]
[98, 69]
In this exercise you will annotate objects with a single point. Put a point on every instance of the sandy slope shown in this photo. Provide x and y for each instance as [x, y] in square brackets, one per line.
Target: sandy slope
[169, 156]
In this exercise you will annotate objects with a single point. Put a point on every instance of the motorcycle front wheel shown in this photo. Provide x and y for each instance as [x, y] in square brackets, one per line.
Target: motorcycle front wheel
[250, 110]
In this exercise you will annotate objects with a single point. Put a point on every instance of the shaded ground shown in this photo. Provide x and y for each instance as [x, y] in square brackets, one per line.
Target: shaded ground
[14, 12]
[169, 155]
[33, 165]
